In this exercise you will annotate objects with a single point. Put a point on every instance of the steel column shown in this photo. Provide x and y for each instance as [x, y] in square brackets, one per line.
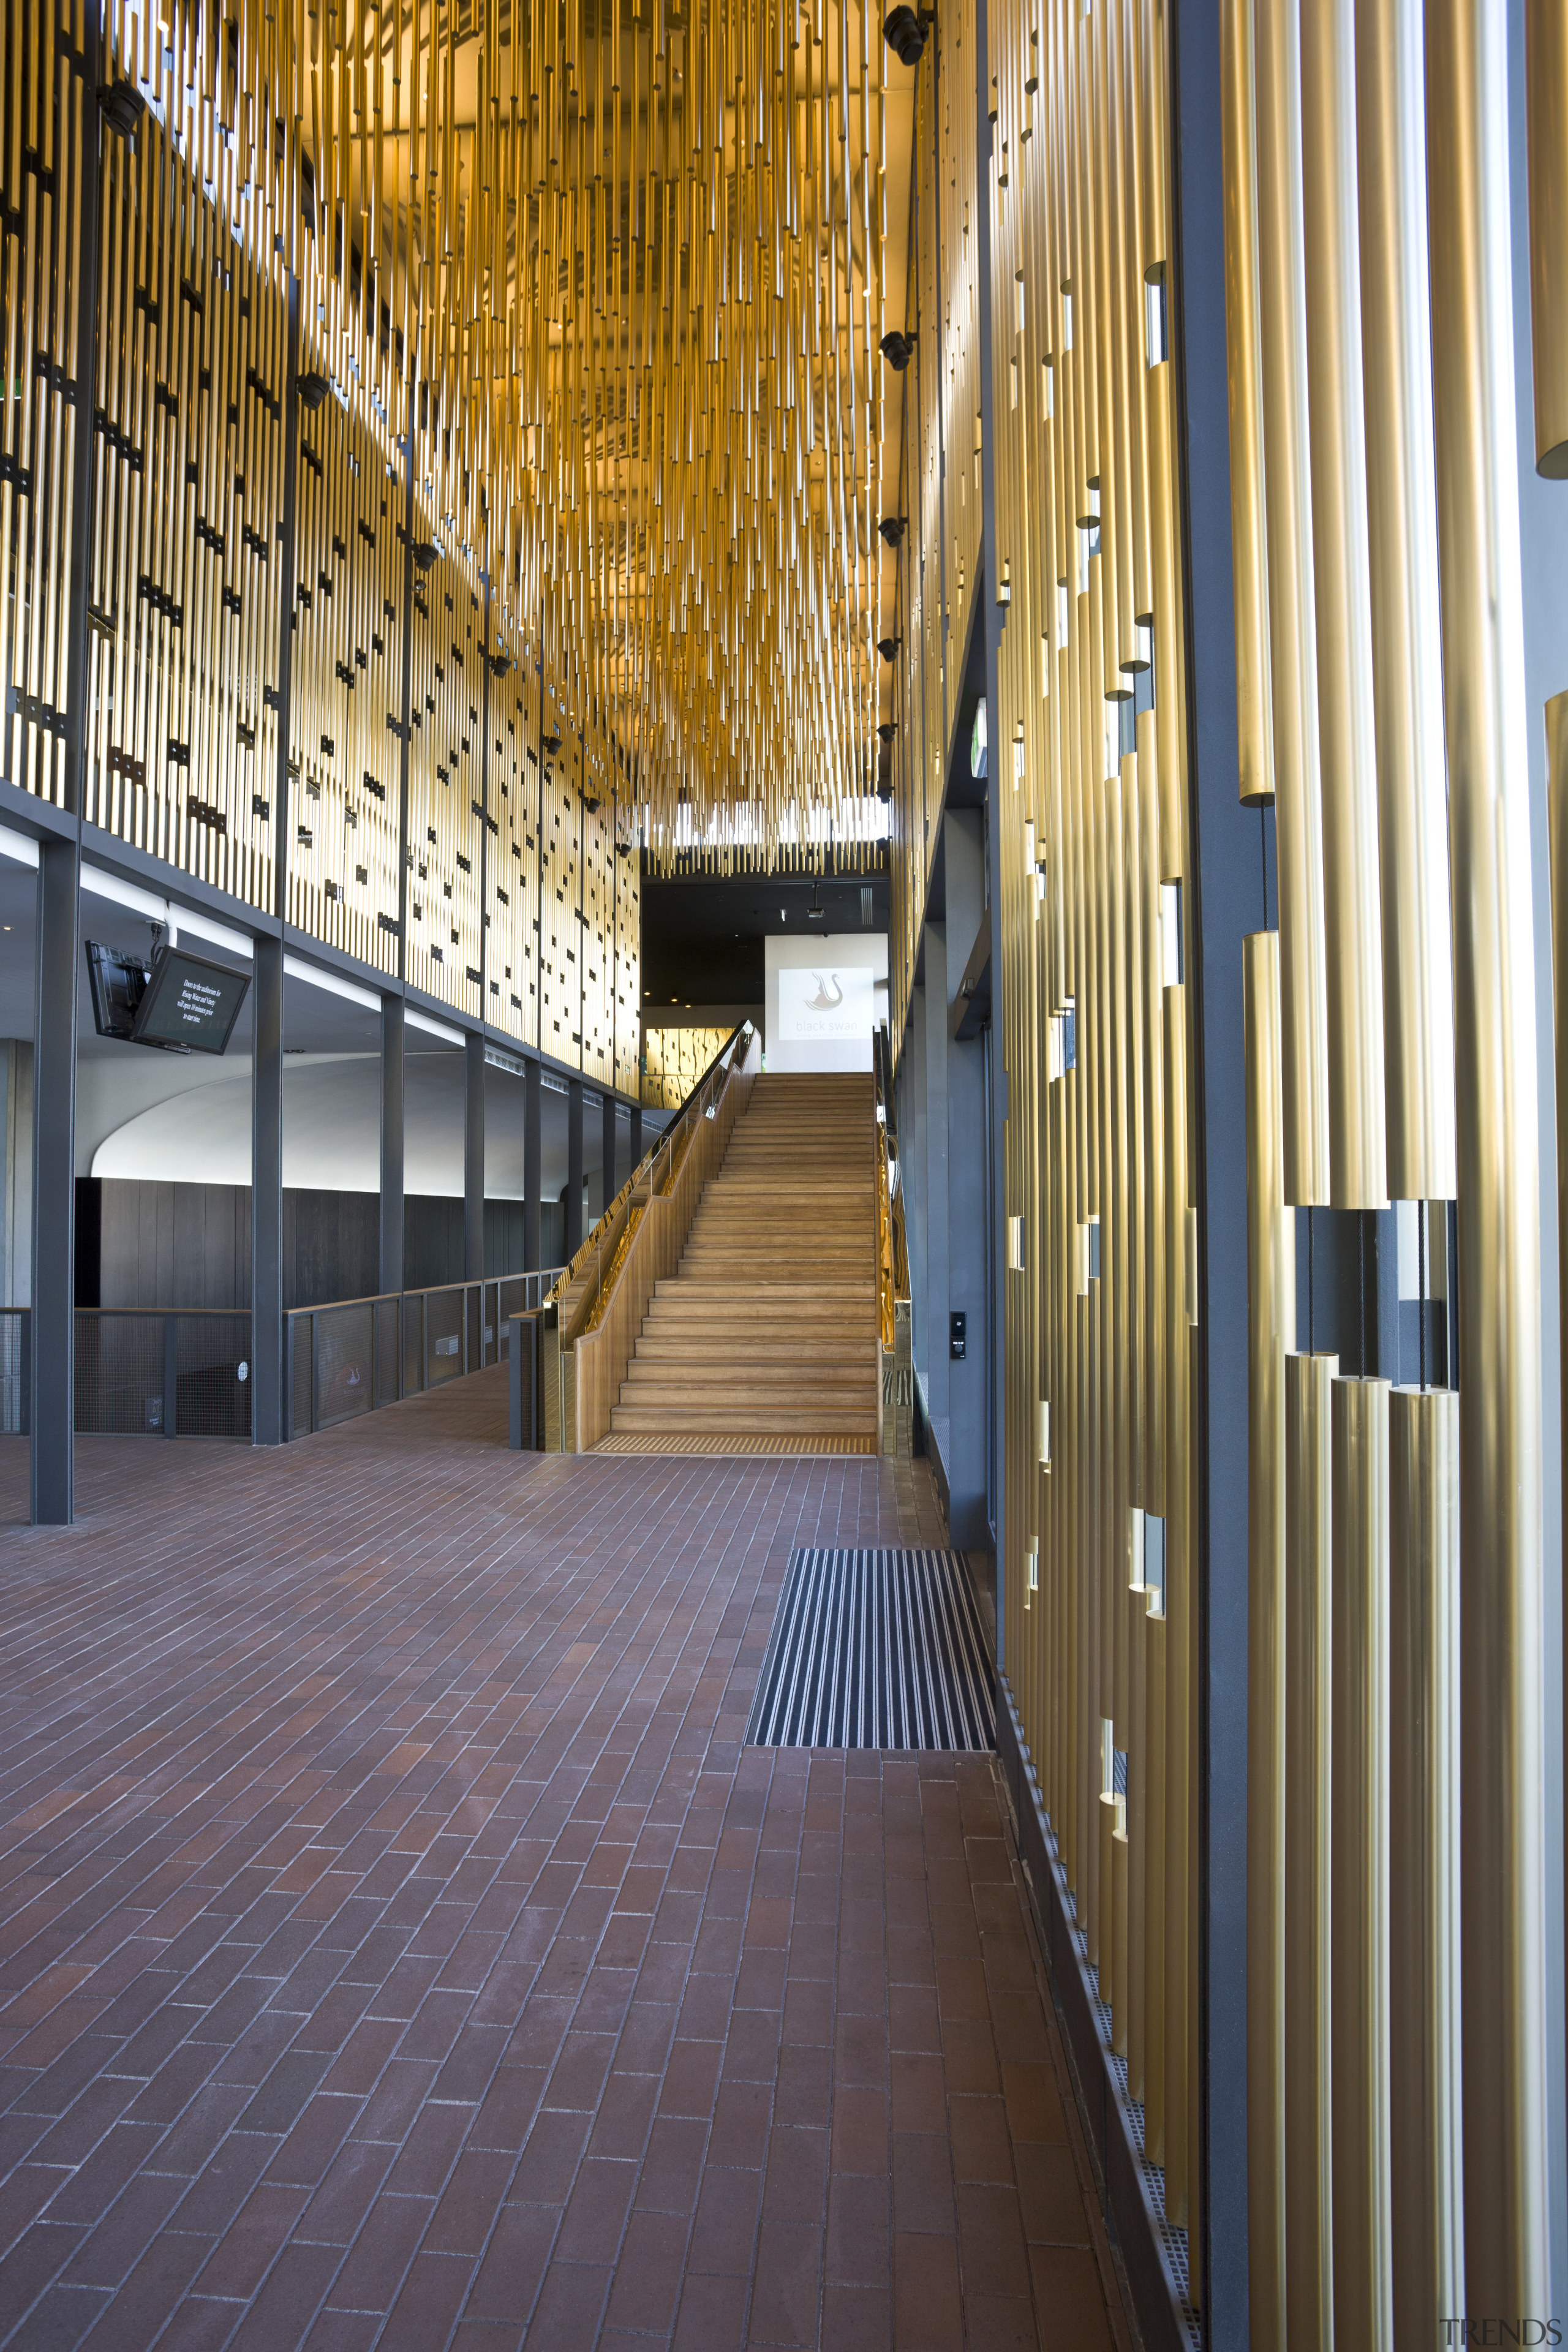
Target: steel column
[1229, 900]
[608, 1187]
[268, 1402]
[531, 1168]
[392, 1110]
[52, 1323]
[574, 1240]
[474, 1157]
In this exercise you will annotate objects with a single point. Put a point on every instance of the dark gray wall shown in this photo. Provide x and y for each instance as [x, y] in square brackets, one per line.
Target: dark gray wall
[189, 1244]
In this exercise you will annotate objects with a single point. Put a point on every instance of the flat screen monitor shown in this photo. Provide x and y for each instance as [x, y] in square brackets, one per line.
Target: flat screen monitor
[189, 1002]
[118, 982]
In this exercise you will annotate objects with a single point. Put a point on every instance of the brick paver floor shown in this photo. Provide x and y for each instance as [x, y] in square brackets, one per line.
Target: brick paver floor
[399, 1946]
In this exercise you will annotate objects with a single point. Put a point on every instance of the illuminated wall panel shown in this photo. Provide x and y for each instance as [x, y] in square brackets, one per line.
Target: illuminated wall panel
[346, 687]
[197, 563]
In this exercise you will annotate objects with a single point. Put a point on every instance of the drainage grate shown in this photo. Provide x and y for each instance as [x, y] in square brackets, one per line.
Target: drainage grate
[875, 1649]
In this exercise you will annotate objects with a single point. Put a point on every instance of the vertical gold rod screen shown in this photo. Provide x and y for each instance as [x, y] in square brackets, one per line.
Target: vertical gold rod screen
[1271, 1288]
[1500, 1268]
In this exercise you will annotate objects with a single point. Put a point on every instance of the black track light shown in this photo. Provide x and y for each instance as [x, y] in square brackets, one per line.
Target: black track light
[889, 647]
[500, 665]
[424, 553]
[886, 732]
[904, 30]
[312, 389]
[552, 745]
[892, 527]
[121, 105]
[897, 349]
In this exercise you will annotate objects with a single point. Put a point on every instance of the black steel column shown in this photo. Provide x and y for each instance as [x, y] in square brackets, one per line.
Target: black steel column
[52, 1323]
[607, 1151]
[268, 1405]
[474, 1159]
[574, 1241]
[532, 1158]
[637, 1133]
[393, 1032]
[1225, 874]
[269, 1365]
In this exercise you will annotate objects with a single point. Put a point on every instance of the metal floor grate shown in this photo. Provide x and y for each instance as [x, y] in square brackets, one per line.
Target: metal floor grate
[875, 1649]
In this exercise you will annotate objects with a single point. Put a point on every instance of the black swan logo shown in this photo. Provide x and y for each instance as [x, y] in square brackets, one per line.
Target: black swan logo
[822, 1001]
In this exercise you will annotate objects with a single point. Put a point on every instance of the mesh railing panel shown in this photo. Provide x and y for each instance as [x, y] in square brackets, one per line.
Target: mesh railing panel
[444, 1329]
[386, 1318]
[13, 1373]
[300, 1338]
[413, 1343]
[119, 1375]
[345, 1365]
[210, 1398]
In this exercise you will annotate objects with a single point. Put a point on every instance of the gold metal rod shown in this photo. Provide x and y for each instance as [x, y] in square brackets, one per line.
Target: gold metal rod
[1425, 2058]
[1245, 380]
[1309, 2077]
[1293, 692]
[1271, 1333]
[1505, 2170]
[1360, 2120]
[1418, 955]
[1342, 595]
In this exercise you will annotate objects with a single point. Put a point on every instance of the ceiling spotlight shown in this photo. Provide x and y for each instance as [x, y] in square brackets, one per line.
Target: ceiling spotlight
[424, 553]
[500, 664]
[889, 647]
[121, 105]
[904, 30]
[591, 805]
[892, 527]
[897, 349]
[552, 745]
[312, 389]
[887, 730]
[884, 788]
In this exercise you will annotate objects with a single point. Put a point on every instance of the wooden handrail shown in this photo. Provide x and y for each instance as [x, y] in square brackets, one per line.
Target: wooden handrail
[598, 1311]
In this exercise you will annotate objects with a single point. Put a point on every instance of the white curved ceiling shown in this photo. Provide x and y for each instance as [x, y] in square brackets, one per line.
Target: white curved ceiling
[332, 1131]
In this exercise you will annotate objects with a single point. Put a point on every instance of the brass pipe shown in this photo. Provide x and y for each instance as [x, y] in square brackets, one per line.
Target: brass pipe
[1120, 1876]
[1360, 2120]
[1341, 582]
[1271, 1332]
[1292, 638]
[1179, 1485]
[1424, 2056]
[1402, 518]
[1506, 2225]
[1135, 1820]
[1309, 1569]
[1154, 1898]
[1546, 84]
[1244, 375]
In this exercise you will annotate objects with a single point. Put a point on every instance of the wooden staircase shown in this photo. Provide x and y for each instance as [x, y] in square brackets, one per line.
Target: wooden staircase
[768, 1327]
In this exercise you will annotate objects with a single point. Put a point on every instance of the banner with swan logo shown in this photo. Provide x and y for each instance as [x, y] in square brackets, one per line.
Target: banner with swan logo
[825, 1002]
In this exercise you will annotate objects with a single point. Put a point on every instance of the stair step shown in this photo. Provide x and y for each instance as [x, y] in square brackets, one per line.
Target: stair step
[749, 1422]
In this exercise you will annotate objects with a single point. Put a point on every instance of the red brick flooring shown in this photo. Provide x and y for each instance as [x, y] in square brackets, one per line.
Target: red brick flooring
[400, 1948]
